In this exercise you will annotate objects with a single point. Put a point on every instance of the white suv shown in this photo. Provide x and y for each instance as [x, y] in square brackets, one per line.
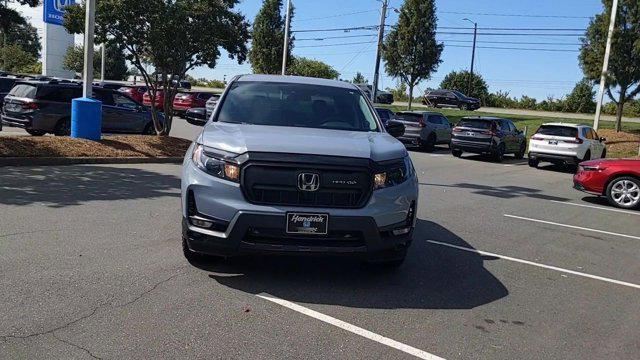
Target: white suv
[568, 144]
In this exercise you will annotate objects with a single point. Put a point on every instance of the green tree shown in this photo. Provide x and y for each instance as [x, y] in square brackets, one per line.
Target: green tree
[10, 19]
[172, 36]
[359, 79]
[624, 64]
[459, 80]
[18, 60]
[26, 36]
[411, 52]
[267, 39]
[302, 66]
[115, 65]
[581, 99]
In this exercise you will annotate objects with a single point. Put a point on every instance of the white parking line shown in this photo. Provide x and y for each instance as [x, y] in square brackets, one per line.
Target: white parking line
[351, 328]
[598, 207]
[573, 227]
[595, 277]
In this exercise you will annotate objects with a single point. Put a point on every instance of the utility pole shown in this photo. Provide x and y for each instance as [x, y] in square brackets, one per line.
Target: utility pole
[4, 42]
[376, 74]
[102, 62]
[605, 64]
[87, 73]
[473, 54]
[286, 38]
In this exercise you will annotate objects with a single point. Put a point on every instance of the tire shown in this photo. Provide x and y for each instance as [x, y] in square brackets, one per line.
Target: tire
[430, 144]
[464, 107]
[587, 156]
[35, 132]
[63, 127]
[520, 154]
[457, 153]
[624, 192]
[498, 155]
[149, 130]
[534, 163]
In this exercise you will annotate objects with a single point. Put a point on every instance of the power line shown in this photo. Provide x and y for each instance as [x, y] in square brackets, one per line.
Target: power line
[512, 48]
[338, 15]
[340, 44]
[517, 15]
[510, 29]
[356, 28]
[506, 34]
[334, 37]
[512, 42]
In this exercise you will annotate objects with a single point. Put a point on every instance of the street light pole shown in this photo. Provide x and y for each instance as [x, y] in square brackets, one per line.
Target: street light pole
[473, 54]
[605, 64]
[87, 72]
[102, 63]
[376, 73]
[286, 38]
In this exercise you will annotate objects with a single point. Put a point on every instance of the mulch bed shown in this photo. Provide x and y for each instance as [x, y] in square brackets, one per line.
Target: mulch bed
[622, 144]
[112, 146]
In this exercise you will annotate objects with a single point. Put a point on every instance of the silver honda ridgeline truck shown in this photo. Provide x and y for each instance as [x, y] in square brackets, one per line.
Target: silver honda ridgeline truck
[295, 165]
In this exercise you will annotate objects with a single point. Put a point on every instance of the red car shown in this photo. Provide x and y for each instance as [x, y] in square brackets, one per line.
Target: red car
[159, 103]
[135, 92]
[617, 179]
[188, 100]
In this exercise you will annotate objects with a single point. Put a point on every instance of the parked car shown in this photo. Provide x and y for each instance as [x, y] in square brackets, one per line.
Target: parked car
[382, 97]
[617, 179]
[6, 83]
[424, 129]
[184, 101]
[487, 135]
[566, 144]
[159, 102]
[385, 115]
[210, 105]
[308, 169]
[450, 98]
[108, 85]
[45, 107]
[136, 92]
[196, 116]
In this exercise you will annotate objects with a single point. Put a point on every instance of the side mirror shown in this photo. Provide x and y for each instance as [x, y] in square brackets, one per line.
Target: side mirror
[603, 139]
[395, 128]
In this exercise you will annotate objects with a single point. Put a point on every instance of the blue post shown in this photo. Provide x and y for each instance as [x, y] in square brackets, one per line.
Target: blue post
[86, 118]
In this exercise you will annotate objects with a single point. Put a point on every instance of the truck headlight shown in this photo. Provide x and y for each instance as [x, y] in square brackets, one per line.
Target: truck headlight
[216, 162]
[394, 175]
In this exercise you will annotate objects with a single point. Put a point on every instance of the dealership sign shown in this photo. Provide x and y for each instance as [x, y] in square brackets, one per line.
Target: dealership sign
[54, 10]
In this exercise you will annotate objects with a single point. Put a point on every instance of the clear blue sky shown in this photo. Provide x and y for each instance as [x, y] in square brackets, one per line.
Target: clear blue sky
[535, 73]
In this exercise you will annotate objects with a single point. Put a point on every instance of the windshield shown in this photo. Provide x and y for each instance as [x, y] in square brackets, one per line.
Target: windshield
[298, 105]
[475, 123]
[558, 131]
[23, 91]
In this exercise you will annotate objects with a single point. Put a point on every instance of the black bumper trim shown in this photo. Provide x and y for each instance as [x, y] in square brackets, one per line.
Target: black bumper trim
[375, 240]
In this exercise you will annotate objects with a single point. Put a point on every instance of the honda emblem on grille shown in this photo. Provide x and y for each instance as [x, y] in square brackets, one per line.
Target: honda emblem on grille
[308, 181]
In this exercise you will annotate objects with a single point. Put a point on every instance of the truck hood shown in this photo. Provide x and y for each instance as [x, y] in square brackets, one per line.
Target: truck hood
[241, 138]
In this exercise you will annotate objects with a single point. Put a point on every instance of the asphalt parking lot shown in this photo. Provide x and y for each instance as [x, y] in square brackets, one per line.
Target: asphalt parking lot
[508, 262]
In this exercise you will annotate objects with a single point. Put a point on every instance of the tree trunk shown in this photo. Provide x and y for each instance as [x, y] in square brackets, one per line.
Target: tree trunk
[410, 95]
[619, 108]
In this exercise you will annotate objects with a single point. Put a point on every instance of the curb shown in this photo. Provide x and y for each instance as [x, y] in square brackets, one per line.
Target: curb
[48, 161]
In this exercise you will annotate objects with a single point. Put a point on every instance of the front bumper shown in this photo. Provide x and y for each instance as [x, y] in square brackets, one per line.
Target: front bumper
[250, 228]
[554, 158]
[473, 146]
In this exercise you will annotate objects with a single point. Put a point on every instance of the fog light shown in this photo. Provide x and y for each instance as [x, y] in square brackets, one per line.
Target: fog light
[379, 180]
[401, 231]
[200, 222]
[232, 172]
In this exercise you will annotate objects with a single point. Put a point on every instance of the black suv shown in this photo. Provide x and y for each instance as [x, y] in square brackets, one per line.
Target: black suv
[450, 98]
[45, 107]
[487, 135]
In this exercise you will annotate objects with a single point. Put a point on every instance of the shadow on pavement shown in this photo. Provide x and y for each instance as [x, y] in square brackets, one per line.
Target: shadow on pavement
[432, 277]
[508, 159]
[503, 192]
[59, 186]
